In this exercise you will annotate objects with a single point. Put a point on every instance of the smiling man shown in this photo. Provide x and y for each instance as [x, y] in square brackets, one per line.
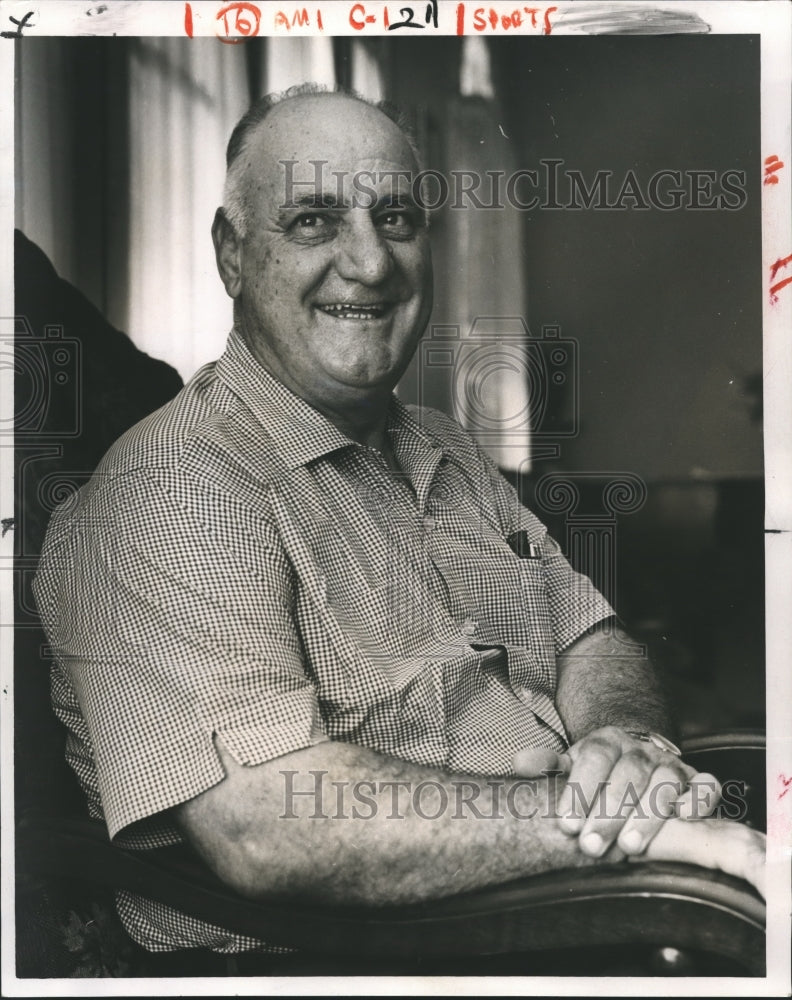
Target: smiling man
[332, 288]
[312, 631]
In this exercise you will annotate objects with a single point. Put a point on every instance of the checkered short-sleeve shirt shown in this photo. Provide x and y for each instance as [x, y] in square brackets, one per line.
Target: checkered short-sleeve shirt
[238, 567]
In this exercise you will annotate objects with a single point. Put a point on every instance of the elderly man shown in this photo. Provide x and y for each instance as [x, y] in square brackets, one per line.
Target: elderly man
[286, 602]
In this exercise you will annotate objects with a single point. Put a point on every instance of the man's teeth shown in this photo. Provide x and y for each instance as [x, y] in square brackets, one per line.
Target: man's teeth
[349, 310]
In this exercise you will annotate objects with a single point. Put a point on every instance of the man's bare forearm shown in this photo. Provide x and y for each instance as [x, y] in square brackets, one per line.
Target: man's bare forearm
[605, 680]
[339, 823]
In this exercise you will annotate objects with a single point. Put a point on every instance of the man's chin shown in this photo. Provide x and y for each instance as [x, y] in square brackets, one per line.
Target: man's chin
[368, 381]
[372, 374]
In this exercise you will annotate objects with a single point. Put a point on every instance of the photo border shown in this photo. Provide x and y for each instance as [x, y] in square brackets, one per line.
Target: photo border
[772, 21]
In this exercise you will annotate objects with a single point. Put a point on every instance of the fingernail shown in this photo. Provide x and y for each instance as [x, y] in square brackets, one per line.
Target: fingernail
[631, 842]
[593, 844]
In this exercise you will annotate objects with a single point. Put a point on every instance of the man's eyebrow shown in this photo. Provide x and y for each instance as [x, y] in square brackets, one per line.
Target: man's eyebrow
[394, 200]
[314, 201]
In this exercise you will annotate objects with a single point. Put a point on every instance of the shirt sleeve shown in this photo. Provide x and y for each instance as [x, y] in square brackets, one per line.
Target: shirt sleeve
[172, 628]
[575, 603]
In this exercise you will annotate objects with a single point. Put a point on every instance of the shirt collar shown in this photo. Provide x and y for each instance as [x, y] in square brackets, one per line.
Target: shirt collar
[298, 432]
[417, 451]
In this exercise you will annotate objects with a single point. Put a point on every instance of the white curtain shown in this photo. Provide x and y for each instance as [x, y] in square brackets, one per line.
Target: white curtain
[366, 72]
[475, 71]
[493, 375]
[185, 97]
[292, 61]
[480, 290]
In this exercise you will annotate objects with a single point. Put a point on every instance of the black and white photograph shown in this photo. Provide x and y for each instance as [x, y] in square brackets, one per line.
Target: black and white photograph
[397, 512]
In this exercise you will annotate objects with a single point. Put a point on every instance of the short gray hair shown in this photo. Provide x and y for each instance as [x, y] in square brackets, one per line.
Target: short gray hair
[235, 201]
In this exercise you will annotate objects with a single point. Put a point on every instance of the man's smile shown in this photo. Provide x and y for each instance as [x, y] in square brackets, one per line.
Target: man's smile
[355, 310]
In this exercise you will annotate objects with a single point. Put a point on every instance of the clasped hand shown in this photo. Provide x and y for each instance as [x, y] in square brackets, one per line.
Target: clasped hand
[621, 790]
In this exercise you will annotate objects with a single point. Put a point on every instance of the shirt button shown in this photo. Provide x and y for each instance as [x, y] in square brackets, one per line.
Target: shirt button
[429, 522]
[469, 627]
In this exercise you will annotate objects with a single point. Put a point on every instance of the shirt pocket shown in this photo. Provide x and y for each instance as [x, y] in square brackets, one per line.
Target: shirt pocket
[520, 609]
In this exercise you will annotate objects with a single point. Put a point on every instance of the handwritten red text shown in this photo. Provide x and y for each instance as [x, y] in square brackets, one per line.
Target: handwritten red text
[776, 288]
[520, 19]
[300, 18]
[240, 21]
[772, 165]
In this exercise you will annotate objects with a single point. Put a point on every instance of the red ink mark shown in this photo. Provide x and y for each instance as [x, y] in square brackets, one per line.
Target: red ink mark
[460, 12]
[786, 782]
[360, 22]
[357, 25]
[245, 24]
[188, 27]
[775, 268]
[319, 20]
[776, 288]
[483, 17]
[772, 163]
[385, 18]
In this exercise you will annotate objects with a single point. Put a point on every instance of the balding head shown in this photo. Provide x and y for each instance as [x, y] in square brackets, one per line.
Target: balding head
[250, 126]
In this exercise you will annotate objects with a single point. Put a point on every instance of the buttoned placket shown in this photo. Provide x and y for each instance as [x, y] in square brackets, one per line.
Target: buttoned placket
[426, 468]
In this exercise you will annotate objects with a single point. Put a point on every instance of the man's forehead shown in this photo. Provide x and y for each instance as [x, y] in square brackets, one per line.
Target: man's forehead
[340, 131]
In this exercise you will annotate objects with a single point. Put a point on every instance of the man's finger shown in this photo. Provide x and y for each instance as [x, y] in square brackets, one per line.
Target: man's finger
[656, 805]
[701, 797]
[618, 800]
[591, 768]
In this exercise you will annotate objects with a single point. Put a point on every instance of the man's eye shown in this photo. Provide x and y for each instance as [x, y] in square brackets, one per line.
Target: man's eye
[313, 226]
[310, 220]
[397, 221]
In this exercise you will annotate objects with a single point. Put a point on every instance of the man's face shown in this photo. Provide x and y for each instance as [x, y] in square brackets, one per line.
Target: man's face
[336, 283]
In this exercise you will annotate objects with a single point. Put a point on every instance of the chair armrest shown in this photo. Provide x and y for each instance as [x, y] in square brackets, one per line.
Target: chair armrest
[656, 903]
[737, 759]
[735, 739]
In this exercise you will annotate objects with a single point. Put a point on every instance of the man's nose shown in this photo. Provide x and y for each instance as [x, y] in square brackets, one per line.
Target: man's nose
[363, 254]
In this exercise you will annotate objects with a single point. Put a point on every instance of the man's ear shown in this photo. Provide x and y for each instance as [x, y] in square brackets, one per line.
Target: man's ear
[228, 253]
